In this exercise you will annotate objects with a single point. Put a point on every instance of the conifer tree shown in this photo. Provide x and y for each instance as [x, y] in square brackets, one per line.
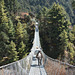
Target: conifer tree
[22, 50]
[56, 22]
[12, 6]
[73, 31]
[11, 30]
[12, 52]
[4, 39]
[71, 36]
[71, 52]
[63, 46]
[15, 6]
[71, 46]
[73, 4]
[21, 39]
[8, 51]
[19, 31]
[30, 31]
[3, 17]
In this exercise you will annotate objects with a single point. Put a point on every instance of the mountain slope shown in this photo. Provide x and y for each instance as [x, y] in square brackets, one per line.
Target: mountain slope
[37, 5]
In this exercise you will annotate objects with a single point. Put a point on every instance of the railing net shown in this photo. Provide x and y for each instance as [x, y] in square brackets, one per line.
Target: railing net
[52, 67]
[20, 67]
[56, 67]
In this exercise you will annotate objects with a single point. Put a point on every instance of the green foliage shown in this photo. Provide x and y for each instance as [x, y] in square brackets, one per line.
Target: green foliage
[59, 40]
[12, 5]
[30, 30]
[71, 52]
[54, 25]
[73, 4]
[4, 45]
[13, 38]
[64, 40]
[37, 5]
[4, 39]
[73, 30]
[58, 17]
[3, 17]
[63, 46]
[16, 36]
[19, 31]
[11, 30]
[22, 50]
[74, 34]
[21, 40]
[71, 36]
[12, 52]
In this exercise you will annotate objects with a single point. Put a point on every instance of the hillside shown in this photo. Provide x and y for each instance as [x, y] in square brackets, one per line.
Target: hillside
[37, 5]
[57, 36]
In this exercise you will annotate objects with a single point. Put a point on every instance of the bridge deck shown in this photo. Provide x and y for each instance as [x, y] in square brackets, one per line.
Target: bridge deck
[35, 69]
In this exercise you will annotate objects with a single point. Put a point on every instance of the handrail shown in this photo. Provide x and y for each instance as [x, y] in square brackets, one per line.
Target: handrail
[60, 62]
[11, 63]
[56, 67]
[20, 67]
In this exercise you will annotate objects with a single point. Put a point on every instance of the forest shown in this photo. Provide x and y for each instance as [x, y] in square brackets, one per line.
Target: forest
[37, 5]
[57, 28]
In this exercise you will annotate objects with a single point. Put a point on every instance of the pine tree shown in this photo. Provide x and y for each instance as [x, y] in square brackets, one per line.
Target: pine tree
[29, 32]
[58, 17]
[12, 52]
[63, 46]
[4, 38]
[3, 17]
[15, 6]
[71, 46]
[42, 16]
[21, 39]
[73, 4]
[8, 51]
[71, 36]
[19, 32]
[71, 51]
[22, 50]
[73, 31]
[11, 30]
[56, 21]
[12, 6]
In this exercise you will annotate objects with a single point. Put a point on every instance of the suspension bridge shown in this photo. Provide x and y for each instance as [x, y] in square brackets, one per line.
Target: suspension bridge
[29, 64]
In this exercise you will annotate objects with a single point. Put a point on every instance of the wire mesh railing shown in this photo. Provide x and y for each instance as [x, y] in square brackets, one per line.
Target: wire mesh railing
[52, 67]
[21, 67]
[56, 67]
